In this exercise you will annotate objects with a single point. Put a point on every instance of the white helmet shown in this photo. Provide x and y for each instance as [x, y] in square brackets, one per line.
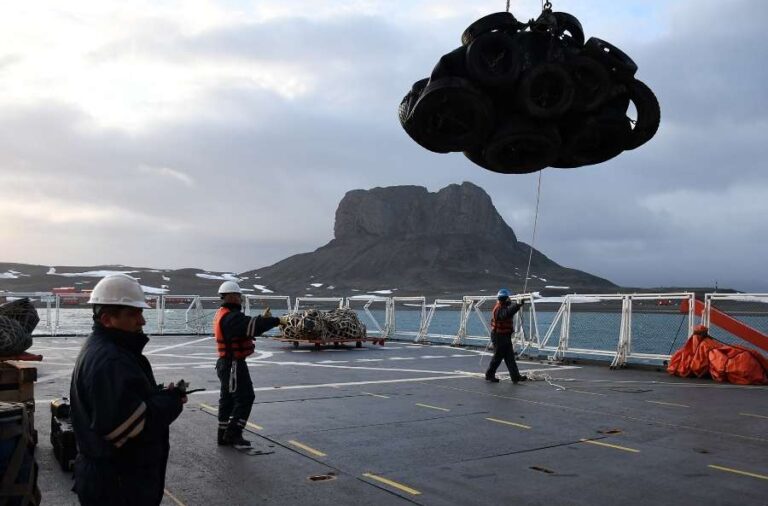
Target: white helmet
[229, 287]
[118, 290]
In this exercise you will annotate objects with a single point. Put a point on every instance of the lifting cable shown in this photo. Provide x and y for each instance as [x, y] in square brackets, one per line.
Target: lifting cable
[530, 253]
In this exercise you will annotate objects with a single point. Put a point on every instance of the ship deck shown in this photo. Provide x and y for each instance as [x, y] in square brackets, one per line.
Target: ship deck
[407, 423]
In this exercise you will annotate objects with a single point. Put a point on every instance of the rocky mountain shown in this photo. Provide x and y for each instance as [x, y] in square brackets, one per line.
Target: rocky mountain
[406, 240]
[400, 240]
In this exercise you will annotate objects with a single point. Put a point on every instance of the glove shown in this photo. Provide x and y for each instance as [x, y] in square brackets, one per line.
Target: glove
[182, 387]
[284, 320]
[267, 313]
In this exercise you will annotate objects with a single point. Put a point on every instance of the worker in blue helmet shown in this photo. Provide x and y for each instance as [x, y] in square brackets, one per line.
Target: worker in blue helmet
[502, 326]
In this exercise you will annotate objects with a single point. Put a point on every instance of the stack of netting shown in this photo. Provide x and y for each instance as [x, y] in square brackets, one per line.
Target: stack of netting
[519, 97]
[313, 325]
[17, 321]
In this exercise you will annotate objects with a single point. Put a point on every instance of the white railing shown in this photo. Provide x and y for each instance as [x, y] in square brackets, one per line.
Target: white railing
[620, 328]
[414, 302]
[368, 301]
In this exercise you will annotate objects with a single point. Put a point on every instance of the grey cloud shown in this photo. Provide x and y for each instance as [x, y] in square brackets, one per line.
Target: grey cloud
[270, 170]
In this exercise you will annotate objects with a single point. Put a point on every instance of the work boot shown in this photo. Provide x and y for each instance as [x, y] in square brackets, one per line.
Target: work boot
[492, 379]
[235, 438]
[220, 437]
[519, 379]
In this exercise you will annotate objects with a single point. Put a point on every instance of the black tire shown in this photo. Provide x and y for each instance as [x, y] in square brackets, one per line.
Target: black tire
[593, 140]
[521, 147]
[410, 99]
[592, 83]
[452, 64]
[648, 114]
[476, 156]
[536, 48]
[614, 59]
[451, 115]
[568, 29]
[546, 91]
[493, 59]
[504, 21]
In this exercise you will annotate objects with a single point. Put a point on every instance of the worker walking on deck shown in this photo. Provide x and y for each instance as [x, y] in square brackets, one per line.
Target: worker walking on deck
[120, 415]
[234, 332]
[502, 326]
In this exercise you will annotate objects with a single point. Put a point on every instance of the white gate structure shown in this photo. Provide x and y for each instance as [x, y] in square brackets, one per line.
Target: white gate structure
[428, 335]
[618, 309]
[418, 304]
[750, 309]
[367, 301]
[315, 302]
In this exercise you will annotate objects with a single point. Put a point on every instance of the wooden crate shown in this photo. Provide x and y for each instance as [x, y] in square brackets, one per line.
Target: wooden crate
[17, 381]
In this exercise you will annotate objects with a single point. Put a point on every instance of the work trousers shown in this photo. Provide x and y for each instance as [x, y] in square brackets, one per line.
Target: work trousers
[234, 407]
[503, 350]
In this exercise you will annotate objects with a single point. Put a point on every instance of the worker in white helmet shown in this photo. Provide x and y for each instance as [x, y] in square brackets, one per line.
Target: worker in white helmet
[234, 333]
[120, 415]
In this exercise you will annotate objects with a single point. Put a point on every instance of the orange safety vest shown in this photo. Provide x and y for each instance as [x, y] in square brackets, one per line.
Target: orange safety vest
[500, 326]
[237, 347]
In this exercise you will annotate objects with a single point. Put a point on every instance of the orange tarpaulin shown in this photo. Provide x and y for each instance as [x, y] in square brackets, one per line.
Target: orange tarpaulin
[702, 355]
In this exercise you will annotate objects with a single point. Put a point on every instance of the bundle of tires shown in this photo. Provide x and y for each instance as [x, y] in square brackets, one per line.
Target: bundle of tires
[518, 97]
[312, 325]
[17, 321]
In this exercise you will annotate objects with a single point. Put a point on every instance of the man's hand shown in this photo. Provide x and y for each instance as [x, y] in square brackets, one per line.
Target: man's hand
[267, 313]
[181, 391]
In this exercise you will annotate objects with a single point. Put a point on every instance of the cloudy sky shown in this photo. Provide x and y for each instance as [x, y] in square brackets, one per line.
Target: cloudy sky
[222, 135]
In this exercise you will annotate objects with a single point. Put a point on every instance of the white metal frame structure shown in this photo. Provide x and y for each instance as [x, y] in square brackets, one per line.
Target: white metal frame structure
[368, 301]
[339, 301]
[739, 297]
[623, 351]
[420, 302]
[437, 304]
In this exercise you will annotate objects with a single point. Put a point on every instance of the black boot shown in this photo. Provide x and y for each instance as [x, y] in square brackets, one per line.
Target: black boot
[220, 438]
[235, 438]
[492, 379]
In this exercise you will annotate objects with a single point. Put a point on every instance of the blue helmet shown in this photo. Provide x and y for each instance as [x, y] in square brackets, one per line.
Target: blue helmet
[503, 294]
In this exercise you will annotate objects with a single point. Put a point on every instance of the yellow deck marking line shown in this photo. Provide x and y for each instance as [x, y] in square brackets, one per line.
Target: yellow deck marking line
[306, 448]
[607, 445]
[247, 424]
[584, 392]
[736, 471]
[669, 404]
[599, 412]
[391, 483]
[431, 407]
[377, 395]
[752, 414]
[173, 498]
[505, 422]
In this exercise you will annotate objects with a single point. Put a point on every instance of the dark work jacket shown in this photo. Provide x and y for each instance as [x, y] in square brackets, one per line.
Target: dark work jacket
[236, 324]
[504, 315]
[120, 417]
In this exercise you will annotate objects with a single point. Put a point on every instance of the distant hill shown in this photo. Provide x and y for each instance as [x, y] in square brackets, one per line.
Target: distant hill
[400, 240]
[406, 240]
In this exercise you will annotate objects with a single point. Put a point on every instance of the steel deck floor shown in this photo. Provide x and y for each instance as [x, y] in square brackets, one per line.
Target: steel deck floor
[415, 424]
